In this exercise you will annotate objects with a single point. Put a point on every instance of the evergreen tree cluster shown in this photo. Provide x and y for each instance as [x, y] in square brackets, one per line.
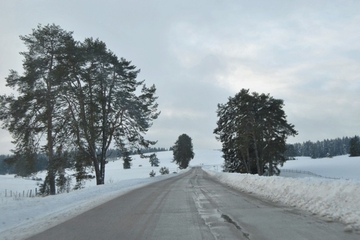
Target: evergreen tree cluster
[253, 129]
[6, 168]
[354, 146]
[115, 153]
[76, 97]
[152, 150]
[10, 165]
[320, 149]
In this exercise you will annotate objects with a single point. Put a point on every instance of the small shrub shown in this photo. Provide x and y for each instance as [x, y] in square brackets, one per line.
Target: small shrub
[36, 178]
[164, 170]
[152, 173]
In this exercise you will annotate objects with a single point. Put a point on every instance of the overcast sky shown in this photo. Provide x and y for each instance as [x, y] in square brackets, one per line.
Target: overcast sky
[200, 52]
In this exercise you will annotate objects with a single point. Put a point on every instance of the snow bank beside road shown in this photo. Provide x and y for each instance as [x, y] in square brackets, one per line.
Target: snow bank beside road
[334, 199]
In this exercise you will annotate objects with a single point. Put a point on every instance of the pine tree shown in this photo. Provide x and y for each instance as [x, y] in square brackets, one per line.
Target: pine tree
[36, 111]
[127, 159]
[183, 151]
[106, 103]
[154, 161]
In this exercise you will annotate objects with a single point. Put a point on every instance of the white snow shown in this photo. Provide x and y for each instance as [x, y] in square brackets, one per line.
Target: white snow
[335, 199]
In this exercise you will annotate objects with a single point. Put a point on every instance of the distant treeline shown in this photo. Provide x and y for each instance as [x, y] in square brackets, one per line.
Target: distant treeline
[22, 168]
[320, 149]
[117, 153]
[5, 168]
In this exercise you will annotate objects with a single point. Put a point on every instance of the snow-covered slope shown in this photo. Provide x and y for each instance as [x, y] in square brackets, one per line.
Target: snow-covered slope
[331, 198]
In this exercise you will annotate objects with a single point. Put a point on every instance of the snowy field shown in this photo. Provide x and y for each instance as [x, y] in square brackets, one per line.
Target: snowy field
[328, 187]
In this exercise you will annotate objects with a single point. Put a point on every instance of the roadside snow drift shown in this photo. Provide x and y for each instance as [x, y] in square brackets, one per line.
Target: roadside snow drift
[335, 199]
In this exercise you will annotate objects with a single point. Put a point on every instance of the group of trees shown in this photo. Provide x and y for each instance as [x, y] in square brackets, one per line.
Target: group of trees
[182, 154]
[11, 165]
[115, 153]
[253, 130]
[5, 168]
[75, 96]
[320, 149]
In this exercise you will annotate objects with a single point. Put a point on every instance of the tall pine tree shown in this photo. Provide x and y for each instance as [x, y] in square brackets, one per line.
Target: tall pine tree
[36, 111]
[106, 103]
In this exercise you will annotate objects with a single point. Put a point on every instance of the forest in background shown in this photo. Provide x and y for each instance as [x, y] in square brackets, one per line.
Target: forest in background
[325, 148]
[318, 149]
[7, 166]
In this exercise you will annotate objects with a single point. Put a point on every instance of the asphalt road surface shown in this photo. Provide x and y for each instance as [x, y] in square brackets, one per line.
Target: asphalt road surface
[194, 206]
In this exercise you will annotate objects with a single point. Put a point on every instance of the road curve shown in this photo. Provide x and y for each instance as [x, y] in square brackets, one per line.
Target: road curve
[194, 206]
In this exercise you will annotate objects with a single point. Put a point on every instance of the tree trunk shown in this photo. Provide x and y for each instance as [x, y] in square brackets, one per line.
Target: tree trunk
[97, 168]
[50, 143]
[271, 169]
[258, 163]
[248, 160]
[51, 167]
[98, 173]
[245, 161]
